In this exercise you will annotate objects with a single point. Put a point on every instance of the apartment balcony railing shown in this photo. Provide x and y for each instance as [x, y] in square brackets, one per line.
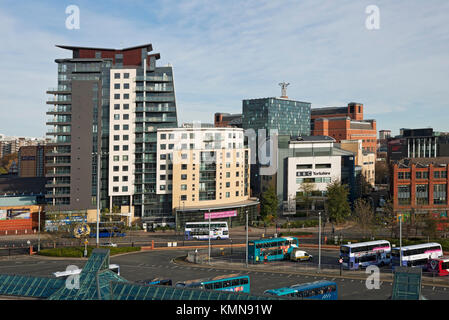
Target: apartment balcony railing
[155, 99]
[155, 78]
[154, 89]
[59, 89]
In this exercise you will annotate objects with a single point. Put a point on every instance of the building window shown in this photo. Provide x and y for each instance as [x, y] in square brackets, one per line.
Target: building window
[125, 168]
[116, 168]
[183, 166]
[126, 116]
[126, 86]
[115, 179]
[125, 189]
[116, 75]
[162, 177]
[422, 194]
[125, 178]
[125, 148]
[125, 137]
[183, 197]
[228, 184]
[126, 75]
[126, 127]
[115, 189]
[116, 127]
[162, 187]
[439, 193]
[183, 177]
[116, 158]
[124, 158]
[126, 106]
[116, 117]
[163, 136]
[116, 138]
[126, 96]
[228, 194]
[116, 106]
[116, 148]
[163, 146]
[117, 96]
[183, 187]
[117, 86]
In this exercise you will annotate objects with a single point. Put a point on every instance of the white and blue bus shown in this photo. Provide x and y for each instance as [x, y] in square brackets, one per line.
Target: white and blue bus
[364, 254]
[416, 255]
[318, 290]
[200, 230]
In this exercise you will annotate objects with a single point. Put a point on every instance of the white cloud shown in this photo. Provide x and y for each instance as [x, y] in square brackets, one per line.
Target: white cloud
[226, 51]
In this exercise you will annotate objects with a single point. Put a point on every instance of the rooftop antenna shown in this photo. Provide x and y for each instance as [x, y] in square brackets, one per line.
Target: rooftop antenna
[284, 86]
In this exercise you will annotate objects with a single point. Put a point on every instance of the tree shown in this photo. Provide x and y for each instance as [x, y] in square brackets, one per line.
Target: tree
[389, 217]
[269, 203]
[364, 186]
[430, 227]
[382, 172]
[304, 197]
[364, 214]
[337, 202]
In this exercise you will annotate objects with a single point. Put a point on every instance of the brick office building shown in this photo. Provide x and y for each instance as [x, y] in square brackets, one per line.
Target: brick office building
[420, 186]
[345, 123]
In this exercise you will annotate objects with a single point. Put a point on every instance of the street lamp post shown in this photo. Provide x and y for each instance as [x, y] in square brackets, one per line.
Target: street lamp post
[246, 243]
[209, 237]
[400, 240]
[319, 243]
[39, 232]
[98, 196]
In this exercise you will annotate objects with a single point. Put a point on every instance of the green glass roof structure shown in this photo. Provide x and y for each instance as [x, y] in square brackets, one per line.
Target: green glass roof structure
[27, 286]
[407, 284]
[97, 282]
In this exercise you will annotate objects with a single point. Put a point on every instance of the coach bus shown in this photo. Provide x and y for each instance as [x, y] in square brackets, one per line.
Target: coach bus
[417, 255]
[231, 282]
[318, 290]
[364, 254]
[439, 266]
[272, 249]
[200, 230]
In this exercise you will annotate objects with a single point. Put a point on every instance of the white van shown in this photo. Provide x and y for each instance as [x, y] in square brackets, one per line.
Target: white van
[300, 255]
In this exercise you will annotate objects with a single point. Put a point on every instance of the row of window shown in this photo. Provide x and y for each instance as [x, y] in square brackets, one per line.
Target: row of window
[124, 127]
[117, 86]
[117, 96]
[422, 175]
[317, 166]
[125, 75]
[117, 106]
[116, 189]
[207, 136]
[227, 195]
[125, 116]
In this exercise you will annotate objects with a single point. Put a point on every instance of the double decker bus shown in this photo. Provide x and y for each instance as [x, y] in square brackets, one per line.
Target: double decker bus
[417, 255]
[364, 254]
[200, 230]
[230, 282]
[439, 266]
[271, 249]
[318, 290]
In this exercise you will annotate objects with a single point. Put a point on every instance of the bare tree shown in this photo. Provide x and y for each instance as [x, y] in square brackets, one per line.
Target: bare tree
[364, 215]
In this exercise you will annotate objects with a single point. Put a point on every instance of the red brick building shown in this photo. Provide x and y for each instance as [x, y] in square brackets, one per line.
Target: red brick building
[345, 123]
[420, 186]
[228, 120]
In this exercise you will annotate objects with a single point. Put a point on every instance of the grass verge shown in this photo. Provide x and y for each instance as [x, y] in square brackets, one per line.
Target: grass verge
[78, 252]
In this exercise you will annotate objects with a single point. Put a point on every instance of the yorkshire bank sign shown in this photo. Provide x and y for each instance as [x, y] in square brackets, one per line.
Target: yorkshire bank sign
[222, 214]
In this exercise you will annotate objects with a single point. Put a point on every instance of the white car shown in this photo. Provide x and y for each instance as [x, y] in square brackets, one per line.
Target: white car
[300, 255]
[109, 244]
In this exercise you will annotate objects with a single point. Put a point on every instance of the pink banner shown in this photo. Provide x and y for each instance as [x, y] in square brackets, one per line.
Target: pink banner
[223, 214]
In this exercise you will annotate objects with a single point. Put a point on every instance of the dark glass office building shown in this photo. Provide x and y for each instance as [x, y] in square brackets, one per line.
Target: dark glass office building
[288, 117]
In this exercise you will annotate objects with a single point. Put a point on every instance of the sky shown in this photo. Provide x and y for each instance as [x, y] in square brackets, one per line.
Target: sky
[225, 51]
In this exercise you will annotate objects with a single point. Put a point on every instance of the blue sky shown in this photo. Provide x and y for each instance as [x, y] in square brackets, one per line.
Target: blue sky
[226, 51]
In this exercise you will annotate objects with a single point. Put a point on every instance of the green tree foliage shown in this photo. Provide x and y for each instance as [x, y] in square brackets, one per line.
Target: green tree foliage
[269, 203]
[337, 202]
[304, 197]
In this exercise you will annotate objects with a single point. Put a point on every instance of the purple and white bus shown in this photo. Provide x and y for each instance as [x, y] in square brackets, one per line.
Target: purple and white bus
[416, 255]
[364, 254]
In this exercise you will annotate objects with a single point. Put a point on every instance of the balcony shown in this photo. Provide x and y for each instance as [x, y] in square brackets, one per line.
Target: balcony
[59, 99]
[155, 78]
[146, 139]
[59, 89]
[154, 89]
[61, 109]
[155, 99]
